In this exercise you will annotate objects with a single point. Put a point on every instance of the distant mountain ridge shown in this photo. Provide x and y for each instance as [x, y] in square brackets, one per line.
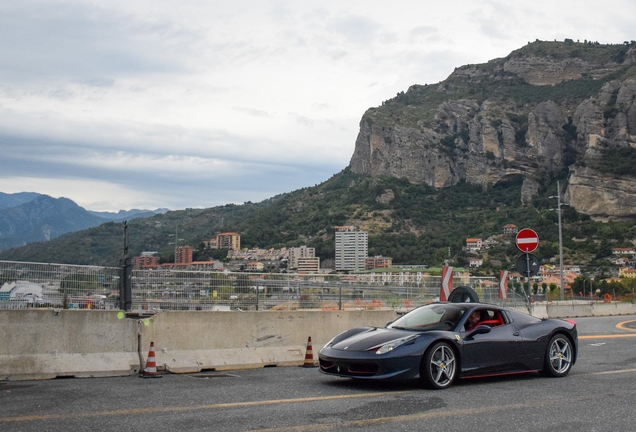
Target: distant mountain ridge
[15, 199]
[28, 217]
[123, 215]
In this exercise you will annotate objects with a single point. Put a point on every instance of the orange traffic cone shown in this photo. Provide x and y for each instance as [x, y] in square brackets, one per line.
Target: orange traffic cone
[309, 356]
[151, 366]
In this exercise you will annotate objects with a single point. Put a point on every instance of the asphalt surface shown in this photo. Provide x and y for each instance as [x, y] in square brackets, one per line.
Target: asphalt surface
[597, 395]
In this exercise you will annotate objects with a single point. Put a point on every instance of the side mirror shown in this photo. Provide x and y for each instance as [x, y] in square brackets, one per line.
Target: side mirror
[480, 329]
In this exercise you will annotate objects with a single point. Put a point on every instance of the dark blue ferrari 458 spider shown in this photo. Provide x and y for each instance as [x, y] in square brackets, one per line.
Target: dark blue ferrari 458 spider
[440, 342]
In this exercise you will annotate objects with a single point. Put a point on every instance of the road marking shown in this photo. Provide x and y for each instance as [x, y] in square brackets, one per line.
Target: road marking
[456, 413]
[621, 326]
[608, 336]
[612, 372]
[194, 408]
[326, 426]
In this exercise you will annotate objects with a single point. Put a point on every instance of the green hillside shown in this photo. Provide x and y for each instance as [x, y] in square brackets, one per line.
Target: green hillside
[418, 226]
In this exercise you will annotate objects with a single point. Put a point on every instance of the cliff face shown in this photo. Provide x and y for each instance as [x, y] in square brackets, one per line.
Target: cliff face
[546, 108]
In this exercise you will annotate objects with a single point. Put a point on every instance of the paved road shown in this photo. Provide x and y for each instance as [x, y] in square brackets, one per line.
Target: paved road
[597, 395]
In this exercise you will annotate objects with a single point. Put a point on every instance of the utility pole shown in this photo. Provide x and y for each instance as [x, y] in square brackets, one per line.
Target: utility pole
[558, 210]
[125, 281]
[176, 244]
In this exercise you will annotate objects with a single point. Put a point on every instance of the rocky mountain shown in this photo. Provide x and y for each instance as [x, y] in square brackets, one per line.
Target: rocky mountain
[15, 199]
[42, 219]
[28, 217]
[545, 109]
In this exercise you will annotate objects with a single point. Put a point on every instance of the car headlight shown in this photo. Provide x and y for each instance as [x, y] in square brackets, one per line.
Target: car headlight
[390, 346]
[327, 344]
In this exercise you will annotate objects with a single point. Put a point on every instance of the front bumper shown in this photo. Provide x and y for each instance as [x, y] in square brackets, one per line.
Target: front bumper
[399, 365]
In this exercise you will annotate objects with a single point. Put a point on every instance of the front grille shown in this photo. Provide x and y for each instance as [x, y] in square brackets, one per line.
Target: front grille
[351, 369]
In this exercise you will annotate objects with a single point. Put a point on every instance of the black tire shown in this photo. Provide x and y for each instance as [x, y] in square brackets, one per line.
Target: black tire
[559, 355]
[439, 366]
[463, 294]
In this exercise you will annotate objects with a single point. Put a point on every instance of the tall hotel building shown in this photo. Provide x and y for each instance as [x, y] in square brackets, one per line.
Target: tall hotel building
[351, 248]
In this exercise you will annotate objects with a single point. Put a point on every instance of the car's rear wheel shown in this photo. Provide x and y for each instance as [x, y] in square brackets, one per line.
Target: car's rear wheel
[439, 366]
[558, 357]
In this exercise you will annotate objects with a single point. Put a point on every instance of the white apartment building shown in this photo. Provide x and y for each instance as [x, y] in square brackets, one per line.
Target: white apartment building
[351, 248]
[300, 252]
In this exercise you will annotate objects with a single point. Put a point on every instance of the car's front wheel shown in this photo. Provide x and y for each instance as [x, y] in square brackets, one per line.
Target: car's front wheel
[558, 357]
[439, 366]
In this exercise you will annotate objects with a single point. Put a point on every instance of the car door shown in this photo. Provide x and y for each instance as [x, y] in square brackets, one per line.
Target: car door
[493, 352]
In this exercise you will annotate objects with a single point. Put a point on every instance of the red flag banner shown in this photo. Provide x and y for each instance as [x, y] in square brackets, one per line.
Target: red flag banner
[447, 283]
[503, 284]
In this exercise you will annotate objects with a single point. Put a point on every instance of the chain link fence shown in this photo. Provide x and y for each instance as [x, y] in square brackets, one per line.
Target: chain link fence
[24, 285]
[37, 285]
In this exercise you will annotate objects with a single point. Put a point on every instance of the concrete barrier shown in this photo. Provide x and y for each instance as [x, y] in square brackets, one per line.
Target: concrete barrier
[609, 309]
[200, 341]
[588, 309]
[45, 344]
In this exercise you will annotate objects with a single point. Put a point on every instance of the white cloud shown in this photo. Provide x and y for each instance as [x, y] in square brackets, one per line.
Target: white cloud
[155, 103]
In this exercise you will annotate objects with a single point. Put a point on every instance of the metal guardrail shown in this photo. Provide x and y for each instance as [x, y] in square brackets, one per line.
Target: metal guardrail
[38, 285]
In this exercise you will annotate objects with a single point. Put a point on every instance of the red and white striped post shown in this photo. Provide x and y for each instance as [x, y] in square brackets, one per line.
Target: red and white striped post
[503, 284]
[447, 283]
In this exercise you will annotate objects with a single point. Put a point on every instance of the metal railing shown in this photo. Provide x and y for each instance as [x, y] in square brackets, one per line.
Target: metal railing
[32, 285]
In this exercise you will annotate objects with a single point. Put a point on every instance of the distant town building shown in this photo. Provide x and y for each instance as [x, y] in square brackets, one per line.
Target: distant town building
[476, 262]
[627, 272]
[300, 252]
[255, 266]
[308, 265]
[351, 248]
[146, 260]
[206, 265]
[183, 255]
[226, 240]
[510, 229]
[623, 251]
[257, 254]
[379, 261]
[474, 244]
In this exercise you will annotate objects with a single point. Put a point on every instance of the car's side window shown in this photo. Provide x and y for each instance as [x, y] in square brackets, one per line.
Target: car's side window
[492, 318]
[489, 317]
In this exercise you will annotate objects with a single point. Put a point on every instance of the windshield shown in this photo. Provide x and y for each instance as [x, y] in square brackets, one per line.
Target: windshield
[431, 317]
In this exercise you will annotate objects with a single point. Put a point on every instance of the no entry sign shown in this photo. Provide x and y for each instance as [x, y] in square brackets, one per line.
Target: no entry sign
[527, 240]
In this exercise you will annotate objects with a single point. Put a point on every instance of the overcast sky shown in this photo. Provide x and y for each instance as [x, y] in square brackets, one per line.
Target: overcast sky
[147, 104]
